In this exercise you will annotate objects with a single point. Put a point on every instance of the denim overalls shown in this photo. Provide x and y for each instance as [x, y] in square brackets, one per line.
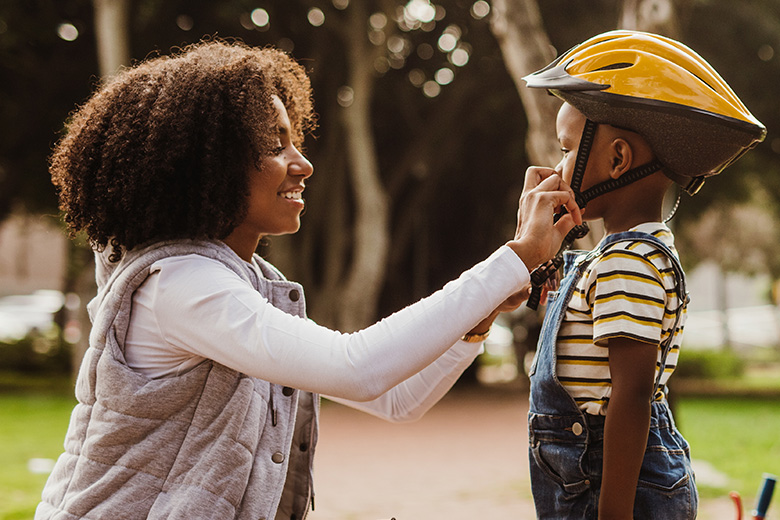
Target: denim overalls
[566, 444]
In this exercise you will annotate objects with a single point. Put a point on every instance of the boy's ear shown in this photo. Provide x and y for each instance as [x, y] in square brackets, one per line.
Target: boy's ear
[622, 157]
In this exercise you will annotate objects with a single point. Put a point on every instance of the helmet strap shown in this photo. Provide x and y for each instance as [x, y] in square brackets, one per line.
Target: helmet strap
[627, 178]
[544, 272]
[583, 152]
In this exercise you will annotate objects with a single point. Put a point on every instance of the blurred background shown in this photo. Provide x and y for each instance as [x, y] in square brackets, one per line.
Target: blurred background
[425, 131]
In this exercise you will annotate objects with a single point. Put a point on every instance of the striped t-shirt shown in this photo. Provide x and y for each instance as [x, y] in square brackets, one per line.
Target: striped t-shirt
[629, 291]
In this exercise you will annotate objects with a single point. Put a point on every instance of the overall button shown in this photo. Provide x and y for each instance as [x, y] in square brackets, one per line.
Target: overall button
[576, 429]
[295, 295]
[303, 447]
[278, 457]
[287, 391]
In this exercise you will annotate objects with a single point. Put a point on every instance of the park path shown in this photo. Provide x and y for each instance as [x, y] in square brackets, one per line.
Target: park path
[465, 459]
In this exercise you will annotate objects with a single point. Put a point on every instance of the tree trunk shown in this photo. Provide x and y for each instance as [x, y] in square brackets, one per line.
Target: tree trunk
[113, 49]
[364, 281]
[112, 35]
[518, 28]
[723, 309]
[655, 16]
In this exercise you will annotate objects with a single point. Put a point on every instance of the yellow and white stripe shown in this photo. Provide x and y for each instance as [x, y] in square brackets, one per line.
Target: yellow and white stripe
[627, 292]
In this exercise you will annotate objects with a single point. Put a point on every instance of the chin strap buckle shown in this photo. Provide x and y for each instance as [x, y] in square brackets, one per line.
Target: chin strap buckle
[695, 185]
[544, 272]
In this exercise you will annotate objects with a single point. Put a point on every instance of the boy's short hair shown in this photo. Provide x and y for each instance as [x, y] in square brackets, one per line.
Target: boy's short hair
[163, 150]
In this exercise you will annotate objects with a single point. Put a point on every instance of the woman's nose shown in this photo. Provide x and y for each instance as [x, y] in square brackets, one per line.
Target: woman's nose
[300, 165]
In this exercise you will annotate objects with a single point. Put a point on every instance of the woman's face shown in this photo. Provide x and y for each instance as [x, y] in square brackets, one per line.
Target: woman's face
[276, 188]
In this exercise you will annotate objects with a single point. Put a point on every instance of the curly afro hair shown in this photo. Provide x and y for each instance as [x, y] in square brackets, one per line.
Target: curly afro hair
[163, 150]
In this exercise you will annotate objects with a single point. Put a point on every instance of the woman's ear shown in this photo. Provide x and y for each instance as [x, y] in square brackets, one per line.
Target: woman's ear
[622, 157]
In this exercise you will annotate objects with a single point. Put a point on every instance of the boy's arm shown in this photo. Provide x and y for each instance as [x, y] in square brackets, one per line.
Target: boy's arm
[632, 366]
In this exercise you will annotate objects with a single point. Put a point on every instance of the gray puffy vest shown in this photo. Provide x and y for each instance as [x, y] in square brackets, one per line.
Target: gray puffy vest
[210, 443]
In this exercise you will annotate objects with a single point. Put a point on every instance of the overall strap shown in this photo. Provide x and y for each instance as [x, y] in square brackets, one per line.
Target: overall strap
[680, 285]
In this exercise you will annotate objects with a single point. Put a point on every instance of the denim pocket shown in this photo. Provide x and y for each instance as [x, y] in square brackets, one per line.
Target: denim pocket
[677, 502]
[666, 488]
[666, 465]
[562, 463]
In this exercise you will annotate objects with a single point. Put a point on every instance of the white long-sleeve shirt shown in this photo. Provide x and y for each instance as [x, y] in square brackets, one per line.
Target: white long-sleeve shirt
[193, 308]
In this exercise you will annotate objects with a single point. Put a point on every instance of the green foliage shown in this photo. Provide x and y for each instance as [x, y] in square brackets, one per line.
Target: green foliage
[42, 352]
[709, 364]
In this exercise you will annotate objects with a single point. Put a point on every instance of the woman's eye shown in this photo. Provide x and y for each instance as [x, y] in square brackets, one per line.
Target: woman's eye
[277, 150]
[564, 151]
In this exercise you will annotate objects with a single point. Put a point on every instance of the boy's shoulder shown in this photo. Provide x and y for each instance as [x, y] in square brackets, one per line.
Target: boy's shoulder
[637, 252]
[642, 240]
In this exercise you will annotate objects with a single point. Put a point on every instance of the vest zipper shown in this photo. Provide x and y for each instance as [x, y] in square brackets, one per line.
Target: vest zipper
[271, 405]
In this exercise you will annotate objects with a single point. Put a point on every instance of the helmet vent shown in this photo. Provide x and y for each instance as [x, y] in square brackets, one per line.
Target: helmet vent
[702, 80]
[614, 66]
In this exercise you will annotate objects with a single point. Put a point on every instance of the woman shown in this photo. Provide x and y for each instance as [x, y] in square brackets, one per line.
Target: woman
[198, 396]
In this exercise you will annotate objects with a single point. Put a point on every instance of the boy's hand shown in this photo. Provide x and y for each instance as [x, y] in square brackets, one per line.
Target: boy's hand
[537, 238]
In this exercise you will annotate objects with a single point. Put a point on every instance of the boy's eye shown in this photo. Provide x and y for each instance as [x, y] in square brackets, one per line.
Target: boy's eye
[564, 151]
[277, 150]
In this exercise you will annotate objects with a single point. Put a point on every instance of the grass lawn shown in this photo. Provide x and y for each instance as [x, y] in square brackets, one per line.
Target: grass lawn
[739, 437]
[32, 426]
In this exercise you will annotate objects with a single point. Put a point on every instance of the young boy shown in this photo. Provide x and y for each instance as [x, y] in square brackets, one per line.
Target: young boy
[640, 112]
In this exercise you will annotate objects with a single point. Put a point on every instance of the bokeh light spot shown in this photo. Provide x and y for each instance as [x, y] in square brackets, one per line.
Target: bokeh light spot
[459, 57]
[345, 96]
[480, 9]
[425, 51]
[416, 77]
[67, 31]
[316, 17]
[431, 89]
[766, 52]
[185, 22]
[260, 17]
[377, 21]
[286, 44]
[444, 76]
[447, 42]
[420, 10]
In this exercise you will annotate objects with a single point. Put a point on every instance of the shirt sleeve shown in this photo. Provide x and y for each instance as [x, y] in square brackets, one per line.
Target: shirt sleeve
[411, 399]
[207, 310]
[627, 297]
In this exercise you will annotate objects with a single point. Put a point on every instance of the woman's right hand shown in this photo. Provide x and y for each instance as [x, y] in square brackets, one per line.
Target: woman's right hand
[538, 237]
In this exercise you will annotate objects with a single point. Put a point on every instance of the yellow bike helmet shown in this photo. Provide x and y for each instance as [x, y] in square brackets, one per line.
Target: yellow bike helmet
[662, 90]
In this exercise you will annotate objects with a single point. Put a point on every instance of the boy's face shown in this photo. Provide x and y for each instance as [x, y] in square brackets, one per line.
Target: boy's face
[569, 126]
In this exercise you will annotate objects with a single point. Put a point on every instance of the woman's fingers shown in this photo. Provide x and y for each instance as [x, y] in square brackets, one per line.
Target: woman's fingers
[534, 175]
[545, 194]
[538, 178]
